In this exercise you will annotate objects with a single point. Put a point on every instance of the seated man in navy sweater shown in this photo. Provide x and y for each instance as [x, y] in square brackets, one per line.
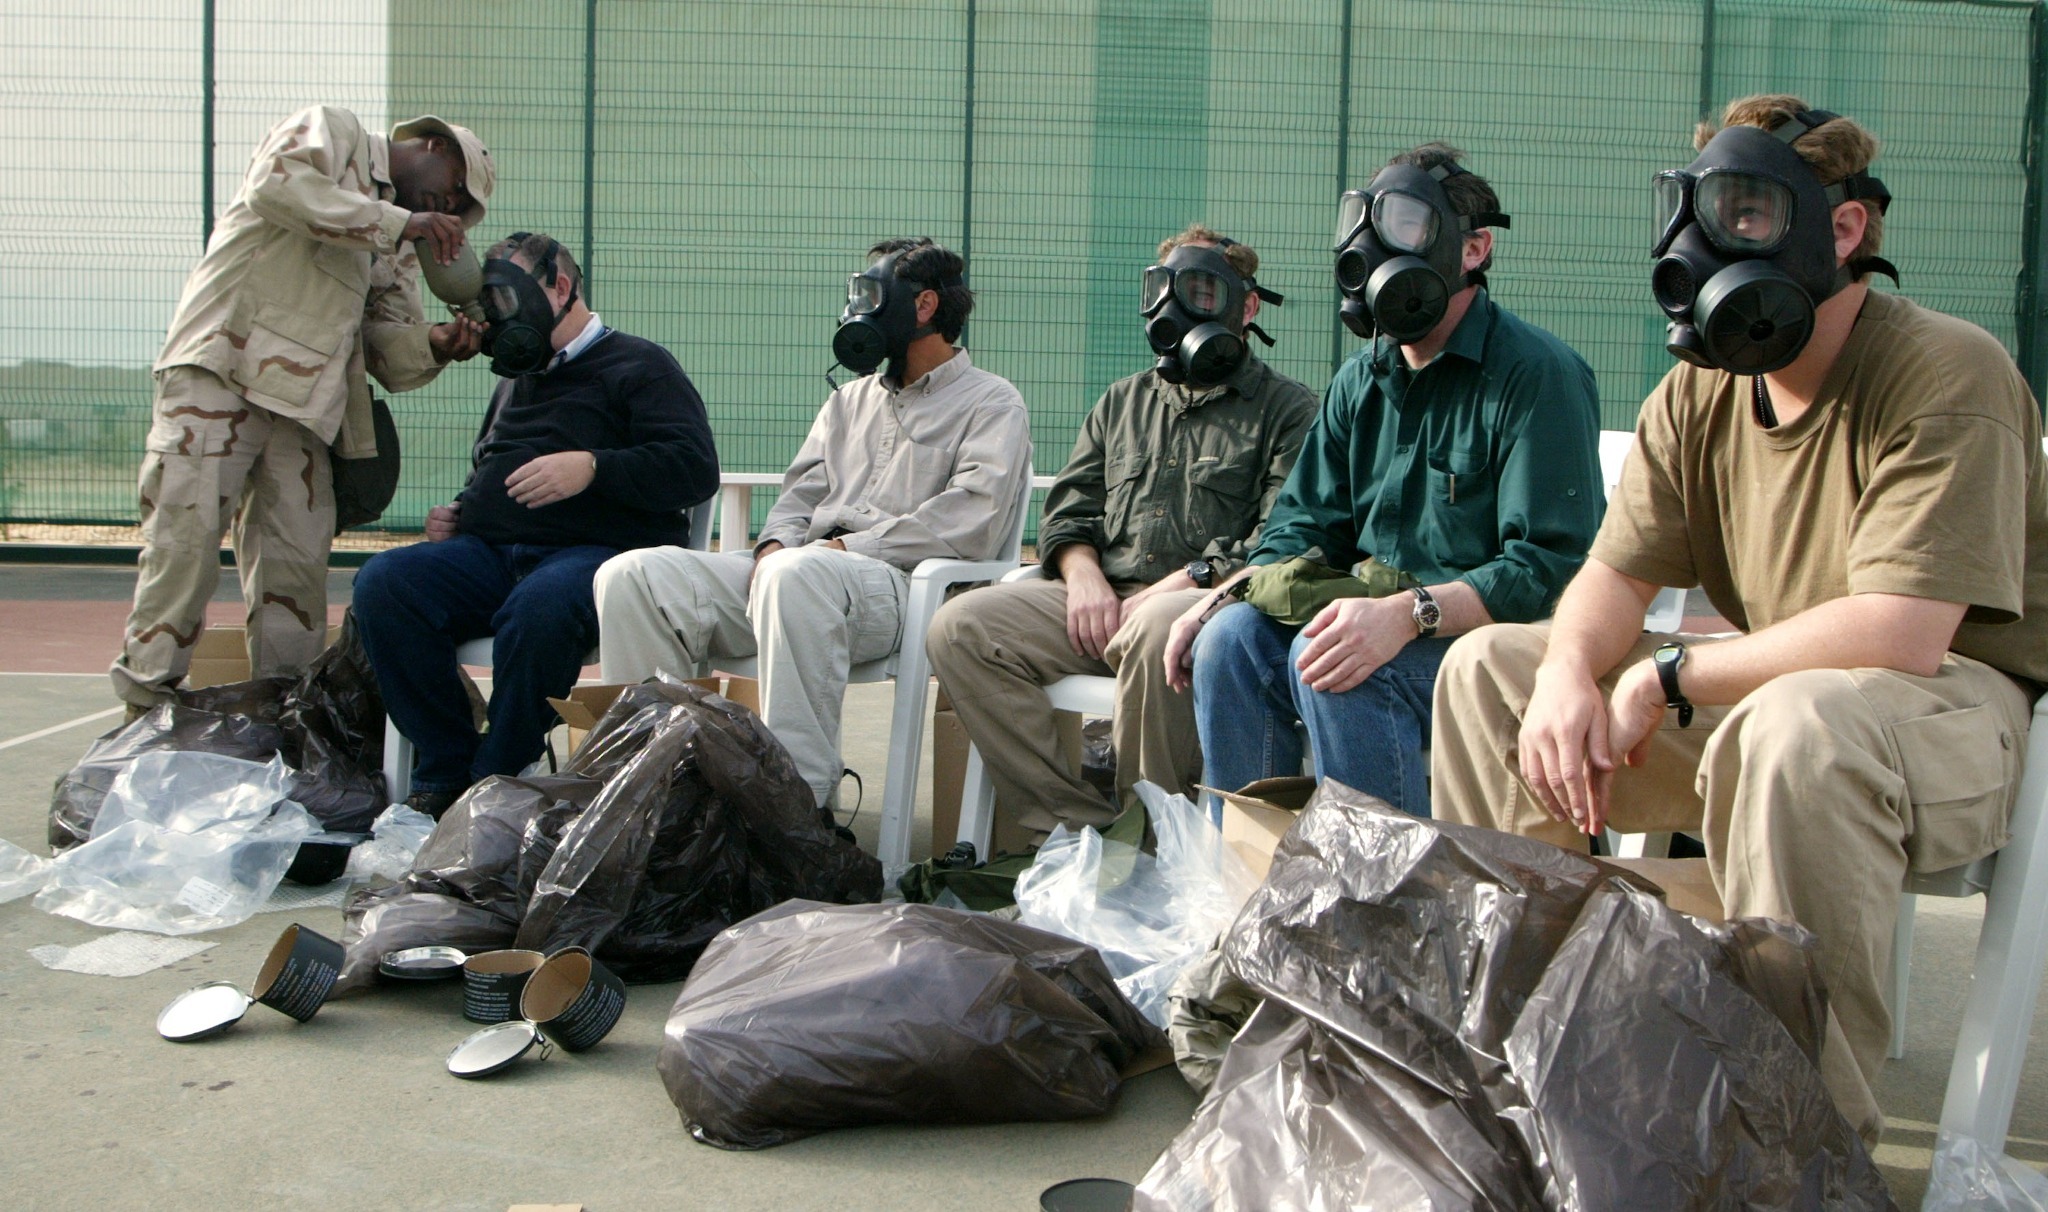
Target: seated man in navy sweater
[598, 450]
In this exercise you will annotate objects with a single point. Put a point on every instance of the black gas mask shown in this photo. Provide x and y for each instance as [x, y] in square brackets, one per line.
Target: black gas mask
[521, 318]
[1401, 251]
[880, 318]
[1746, 247]
[1193, 304]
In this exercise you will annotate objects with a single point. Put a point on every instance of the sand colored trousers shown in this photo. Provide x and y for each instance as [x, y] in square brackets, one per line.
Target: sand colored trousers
[1814, 796]
[211, 459]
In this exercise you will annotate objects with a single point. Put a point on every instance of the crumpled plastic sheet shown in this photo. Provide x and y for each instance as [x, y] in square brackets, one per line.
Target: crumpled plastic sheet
[123, 954]
[184, 842]
[1967, 1177]
[171, 726]
[1150, 915]
[395, 840]
[1206, 1008]
[1562, 1022]
[679, 816]
[809, 1017]
[21, 873]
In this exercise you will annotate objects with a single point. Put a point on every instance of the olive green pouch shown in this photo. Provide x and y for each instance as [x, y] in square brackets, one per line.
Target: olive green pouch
[1295, 590]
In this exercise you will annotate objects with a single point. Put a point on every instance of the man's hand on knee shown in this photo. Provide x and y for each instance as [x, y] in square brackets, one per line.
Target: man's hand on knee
[1564, 752]
[443, 522]
[1352, 637]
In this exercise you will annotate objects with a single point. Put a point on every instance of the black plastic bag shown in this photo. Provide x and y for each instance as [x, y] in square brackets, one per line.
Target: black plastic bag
[702, 823]
[1609, 1051]
[1302, 1117]
[809, 1017]
[333, 724]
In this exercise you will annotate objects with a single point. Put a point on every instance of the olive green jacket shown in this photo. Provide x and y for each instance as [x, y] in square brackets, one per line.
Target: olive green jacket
[1161, 476]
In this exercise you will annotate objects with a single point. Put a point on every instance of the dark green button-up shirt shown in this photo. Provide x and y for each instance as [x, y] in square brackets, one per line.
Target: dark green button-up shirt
[1161, 476]
[1482, 467]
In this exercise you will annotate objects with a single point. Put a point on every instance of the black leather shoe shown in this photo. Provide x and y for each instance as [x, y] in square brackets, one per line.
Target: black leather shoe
[432, 803]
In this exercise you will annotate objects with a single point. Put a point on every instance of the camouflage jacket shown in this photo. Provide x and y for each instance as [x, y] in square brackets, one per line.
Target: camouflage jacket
[305, 286]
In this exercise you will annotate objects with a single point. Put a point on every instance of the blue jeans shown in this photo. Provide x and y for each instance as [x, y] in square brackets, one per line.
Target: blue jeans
[416, 604]
[1249, 695]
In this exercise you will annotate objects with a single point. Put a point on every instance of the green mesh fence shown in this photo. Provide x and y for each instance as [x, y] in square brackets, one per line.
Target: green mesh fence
[722, 166]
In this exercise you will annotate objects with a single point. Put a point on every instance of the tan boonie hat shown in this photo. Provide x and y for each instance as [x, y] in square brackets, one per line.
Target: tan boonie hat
[482, 175]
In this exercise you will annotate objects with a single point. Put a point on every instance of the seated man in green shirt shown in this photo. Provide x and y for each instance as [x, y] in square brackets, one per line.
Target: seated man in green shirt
[1171, 472]
[1454, 469]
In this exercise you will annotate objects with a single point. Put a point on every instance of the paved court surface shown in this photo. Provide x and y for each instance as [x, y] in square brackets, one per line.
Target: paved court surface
[353, 1109]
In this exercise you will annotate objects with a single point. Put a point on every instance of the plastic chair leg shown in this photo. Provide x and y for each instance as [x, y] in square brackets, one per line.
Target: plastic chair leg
[1902, 972]
[397, 764]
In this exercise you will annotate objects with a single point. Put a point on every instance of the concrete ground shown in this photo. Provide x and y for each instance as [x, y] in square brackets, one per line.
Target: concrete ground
[354, 1109]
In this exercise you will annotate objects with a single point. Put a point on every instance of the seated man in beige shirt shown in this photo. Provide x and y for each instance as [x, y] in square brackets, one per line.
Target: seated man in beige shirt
[925, 458]
[1858, 485]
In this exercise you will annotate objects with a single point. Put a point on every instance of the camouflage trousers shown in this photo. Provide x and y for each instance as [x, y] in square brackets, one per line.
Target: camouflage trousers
[214, 460]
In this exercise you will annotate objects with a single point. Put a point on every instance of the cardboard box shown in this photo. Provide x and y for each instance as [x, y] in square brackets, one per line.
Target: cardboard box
[221, 656]
[586, 704]
[1687, 885]
[1257, 815]
[949, 774]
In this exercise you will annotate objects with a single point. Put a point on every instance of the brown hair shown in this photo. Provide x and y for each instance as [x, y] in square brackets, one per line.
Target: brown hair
[1468, 191]
[1241, 257]
[1835, 149]
[538, 249]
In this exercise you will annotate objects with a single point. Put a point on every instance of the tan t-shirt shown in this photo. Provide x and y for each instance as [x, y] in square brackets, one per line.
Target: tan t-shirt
[1917, 471]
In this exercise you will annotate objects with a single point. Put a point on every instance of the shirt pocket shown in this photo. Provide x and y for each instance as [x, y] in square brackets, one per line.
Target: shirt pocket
[1457, 523]
[916, 473]
[1122, 477]
[1222, 501]
[1961, 769]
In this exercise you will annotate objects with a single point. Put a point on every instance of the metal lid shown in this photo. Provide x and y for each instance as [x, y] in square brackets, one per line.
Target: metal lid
[202, 1011]
[1087, 1195]
[496, 1047]
[423, 964]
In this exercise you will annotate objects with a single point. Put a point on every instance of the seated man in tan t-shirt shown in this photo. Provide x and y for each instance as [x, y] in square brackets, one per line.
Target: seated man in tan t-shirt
[1858, 485]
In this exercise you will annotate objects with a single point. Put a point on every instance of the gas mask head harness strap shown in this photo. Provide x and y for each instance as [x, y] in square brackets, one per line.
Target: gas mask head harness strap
[879, 320]
[1745, 250]
[520, 316]
[1400, 251]
[1193, 303]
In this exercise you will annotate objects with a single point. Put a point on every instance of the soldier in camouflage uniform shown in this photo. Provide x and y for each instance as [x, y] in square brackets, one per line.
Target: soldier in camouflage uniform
[308, 283]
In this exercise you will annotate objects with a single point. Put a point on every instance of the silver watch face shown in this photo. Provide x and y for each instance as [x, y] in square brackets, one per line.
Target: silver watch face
[1428, 613]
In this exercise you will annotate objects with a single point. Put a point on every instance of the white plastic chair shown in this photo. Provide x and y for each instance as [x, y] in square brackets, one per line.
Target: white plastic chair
[1667, 609]
[912, 671]
[1998, 1017]
[398, 751]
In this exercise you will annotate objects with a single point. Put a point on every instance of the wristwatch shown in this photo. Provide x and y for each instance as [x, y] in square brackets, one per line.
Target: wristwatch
[1668, 659]
[1427, 613]
[1202, 573]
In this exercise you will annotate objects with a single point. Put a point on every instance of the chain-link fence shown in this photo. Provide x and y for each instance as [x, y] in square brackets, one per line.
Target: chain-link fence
[720, 167]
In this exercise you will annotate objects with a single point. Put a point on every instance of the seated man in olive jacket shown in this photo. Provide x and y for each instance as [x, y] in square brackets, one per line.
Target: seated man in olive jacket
[1163, 494]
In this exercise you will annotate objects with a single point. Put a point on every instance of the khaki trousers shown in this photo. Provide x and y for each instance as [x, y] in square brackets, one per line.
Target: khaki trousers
[814, 611]
[994, 648]
[209, 450]
[1814, 796]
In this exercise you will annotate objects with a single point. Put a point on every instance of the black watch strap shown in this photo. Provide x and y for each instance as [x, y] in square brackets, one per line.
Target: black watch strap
[1668, 658]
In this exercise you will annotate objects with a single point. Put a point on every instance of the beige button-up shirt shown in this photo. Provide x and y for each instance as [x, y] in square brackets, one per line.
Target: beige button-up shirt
[934, 469]
[305, 286]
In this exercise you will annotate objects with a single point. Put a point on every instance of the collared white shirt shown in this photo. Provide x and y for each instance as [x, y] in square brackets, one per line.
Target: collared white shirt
[591, 332]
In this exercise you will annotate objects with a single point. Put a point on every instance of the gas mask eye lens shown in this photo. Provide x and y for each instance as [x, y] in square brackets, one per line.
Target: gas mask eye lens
[500, 303]
[863, 295]
[1743, 212]
[1670, 192]
[1200, 291]
[1351, 212]
[1404, 222]
[1153, 289]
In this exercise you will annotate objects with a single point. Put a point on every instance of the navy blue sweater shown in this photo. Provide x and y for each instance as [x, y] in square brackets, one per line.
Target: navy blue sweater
[626, 400]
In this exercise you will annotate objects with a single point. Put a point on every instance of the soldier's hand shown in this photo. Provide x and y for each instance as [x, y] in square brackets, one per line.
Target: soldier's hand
[442, 522]
[551, 478]
[441, 234]
[458, 340]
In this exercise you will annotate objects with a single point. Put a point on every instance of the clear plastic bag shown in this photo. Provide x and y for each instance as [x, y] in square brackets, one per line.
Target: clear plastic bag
[1150, 915]
[185, 842]
[1966, 1175]
[20, 872]
[395, 838]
